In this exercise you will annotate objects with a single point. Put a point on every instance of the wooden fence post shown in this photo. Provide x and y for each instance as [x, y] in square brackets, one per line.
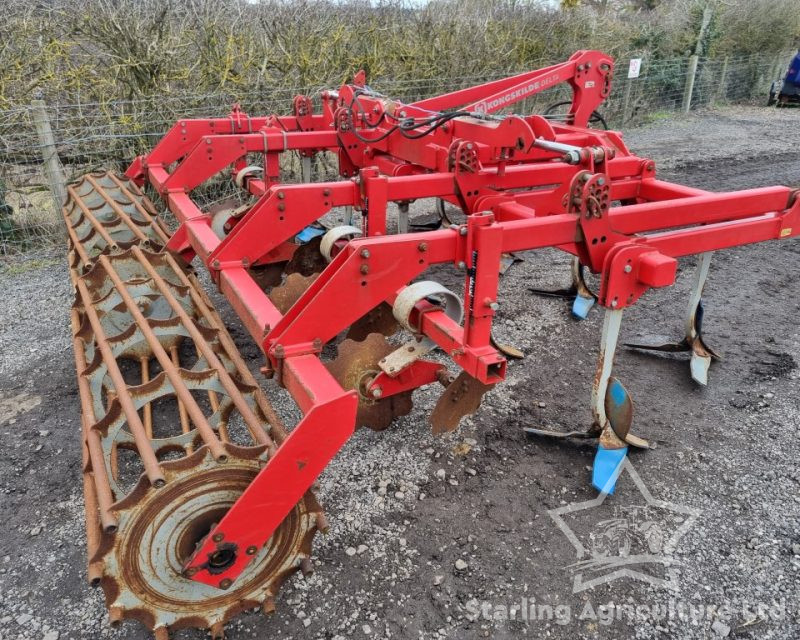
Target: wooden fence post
[688, 88]
[626, 101]
[52, 164]
[722, 88]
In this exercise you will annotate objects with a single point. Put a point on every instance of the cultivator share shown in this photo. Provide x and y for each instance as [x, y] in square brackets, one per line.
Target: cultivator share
[199, 503]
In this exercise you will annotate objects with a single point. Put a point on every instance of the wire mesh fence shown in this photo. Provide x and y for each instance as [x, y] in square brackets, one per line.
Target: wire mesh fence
[109, 134]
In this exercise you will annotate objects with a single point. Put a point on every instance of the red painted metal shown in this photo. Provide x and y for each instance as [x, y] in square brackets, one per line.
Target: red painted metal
[524, 183]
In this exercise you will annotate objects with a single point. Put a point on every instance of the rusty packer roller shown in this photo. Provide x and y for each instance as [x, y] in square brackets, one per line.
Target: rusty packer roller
[174, 425]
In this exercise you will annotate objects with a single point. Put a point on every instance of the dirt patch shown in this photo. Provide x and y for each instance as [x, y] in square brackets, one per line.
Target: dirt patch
[16, 405]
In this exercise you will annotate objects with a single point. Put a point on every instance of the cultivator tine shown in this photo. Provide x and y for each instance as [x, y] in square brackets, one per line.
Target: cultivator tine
[608, 392]
[160, 380]
[507, 260]
[612, 412]
[582, 297]
[461, 398]
[402, 217]
[701, 354]
[509, 351]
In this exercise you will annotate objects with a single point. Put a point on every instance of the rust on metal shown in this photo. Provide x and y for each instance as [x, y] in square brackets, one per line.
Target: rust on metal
[307, 259]
[355, 367]
[379, 320]
[462, 397]
[174, 425]
[284, 296]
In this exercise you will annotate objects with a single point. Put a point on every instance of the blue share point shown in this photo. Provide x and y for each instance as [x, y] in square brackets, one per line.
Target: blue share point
[581, 307]
[607, 467]
[616, 393]
[309, 233]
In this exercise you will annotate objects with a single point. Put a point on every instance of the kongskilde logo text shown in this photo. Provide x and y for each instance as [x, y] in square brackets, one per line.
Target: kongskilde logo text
[513, 96]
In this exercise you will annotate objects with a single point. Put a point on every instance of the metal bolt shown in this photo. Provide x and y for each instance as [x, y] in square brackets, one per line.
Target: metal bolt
[494, 306]
[601, 181]
[377, 392]
[190, 572]
[281, 195]
[364, 253]
[226, 583]
[422, 246]
[614, 302]
[365, 268]
[462, 231]
[628, 268]
[251, 550]
[461, 264]
[218, 537]
[281, 206]
[215, 264]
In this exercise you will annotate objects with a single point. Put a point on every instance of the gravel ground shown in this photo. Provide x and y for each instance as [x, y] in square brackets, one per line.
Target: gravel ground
[443, 537]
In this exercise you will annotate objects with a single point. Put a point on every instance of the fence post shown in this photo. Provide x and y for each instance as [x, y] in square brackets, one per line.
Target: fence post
[722, 88]
[52, 164]
[626, 101]
[689, 87]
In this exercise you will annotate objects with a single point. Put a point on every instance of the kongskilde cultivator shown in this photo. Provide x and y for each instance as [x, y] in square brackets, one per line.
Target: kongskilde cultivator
[199, 503]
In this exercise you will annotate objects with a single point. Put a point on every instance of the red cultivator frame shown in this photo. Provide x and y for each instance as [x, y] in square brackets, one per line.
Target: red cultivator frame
[523, 182]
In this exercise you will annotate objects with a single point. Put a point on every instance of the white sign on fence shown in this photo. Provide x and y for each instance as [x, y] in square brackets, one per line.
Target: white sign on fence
[634, 67]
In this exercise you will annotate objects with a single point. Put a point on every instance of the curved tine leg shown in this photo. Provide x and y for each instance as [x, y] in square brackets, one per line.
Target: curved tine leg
[580, 294]
[611, 449]
[700, 361]
[402, 217]
[701, 354]
[584, 298]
